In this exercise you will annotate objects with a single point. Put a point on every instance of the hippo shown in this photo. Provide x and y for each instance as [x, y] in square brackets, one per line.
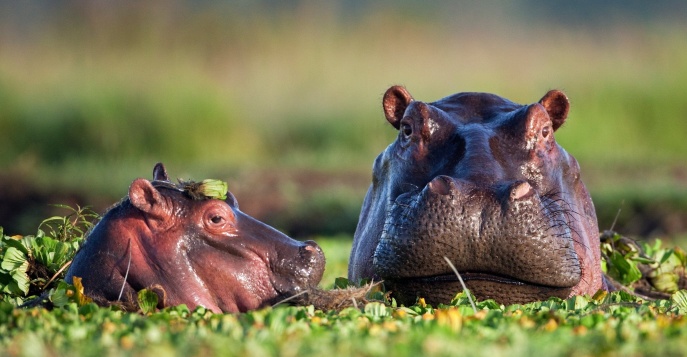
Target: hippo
[480, 180]
[193, 249]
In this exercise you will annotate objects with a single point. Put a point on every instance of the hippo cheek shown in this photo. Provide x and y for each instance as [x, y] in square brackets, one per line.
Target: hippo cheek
[514, 246]
[249, 280]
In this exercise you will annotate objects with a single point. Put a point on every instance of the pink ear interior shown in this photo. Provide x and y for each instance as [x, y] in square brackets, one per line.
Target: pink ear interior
[557, 106]
[396, 100]
[146, 198]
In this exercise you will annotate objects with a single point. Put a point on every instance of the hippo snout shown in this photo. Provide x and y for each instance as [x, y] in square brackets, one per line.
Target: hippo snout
[312, 254]
[503, 230]
[299, 270]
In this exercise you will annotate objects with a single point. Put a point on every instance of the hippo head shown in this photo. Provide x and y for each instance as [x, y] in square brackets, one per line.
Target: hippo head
[191, 249]
[480, 180]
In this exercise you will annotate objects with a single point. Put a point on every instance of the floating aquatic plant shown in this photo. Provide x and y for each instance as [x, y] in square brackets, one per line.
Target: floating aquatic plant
[209, 188]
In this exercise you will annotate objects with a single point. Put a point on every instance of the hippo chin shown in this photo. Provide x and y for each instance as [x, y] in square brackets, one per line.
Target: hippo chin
[191, 249]
[480, 180]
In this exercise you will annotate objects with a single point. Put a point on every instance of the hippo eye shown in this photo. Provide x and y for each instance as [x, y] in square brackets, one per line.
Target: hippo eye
[216, 219]
[406, 129]
[545, 131]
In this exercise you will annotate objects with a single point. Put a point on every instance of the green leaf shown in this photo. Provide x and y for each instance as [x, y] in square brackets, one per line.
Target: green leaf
[21, 279]
[377, 309]
[340, 283]
[16, 243]
[13, 259]
[214, 189]
[624, 269]
[489, 304]
[577, 303]
[681, 256]
[147, 301]
[59, 297]
[666, 256]
[51, 253]
[679, 300]
[666, 282]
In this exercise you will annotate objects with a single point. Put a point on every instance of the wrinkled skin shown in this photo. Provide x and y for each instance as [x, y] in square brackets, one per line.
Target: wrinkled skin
[194, 252]
[480, 180]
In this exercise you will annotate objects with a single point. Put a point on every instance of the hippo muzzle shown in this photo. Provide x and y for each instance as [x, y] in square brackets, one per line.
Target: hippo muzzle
[506, 237]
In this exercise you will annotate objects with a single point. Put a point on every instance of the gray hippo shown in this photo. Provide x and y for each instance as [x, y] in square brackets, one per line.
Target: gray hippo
[480, 180]
[191, 249]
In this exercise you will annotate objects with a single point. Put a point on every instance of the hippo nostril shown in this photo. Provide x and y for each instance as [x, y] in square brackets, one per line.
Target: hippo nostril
[311, 249]
[521, 190]
[441, 185]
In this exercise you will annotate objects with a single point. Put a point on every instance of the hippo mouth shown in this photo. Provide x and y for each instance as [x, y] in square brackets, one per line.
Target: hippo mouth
[443, 288]
[468, 276]
[509, 243]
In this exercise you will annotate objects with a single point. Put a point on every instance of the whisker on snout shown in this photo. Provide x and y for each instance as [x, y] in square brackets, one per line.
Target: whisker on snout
[290, 298]
[460, 278]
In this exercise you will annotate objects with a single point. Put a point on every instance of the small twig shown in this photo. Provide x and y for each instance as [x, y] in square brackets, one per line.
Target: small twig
[355, 303]
[127, 273]
[465, 288]
[58, 273]
[615, 220]
[291, 297]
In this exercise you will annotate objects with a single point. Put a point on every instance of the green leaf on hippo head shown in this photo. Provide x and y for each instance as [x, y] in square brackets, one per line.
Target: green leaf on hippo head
[214, 189]
[147, 300]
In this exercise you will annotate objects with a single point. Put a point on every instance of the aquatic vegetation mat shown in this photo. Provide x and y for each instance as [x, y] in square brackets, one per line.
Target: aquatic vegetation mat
[646, 316]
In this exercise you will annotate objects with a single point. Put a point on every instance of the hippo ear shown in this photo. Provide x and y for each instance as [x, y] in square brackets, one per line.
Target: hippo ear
[396, 100]
[159, 172]
[231, 200]
[147, 198]
[557, 105]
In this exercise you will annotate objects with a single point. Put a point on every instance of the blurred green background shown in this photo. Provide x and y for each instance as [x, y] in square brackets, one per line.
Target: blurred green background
[283, 98]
